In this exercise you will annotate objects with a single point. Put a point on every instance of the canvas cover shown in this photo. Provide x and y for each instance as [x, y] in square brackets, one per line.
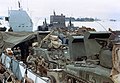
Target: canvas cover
[10, 39]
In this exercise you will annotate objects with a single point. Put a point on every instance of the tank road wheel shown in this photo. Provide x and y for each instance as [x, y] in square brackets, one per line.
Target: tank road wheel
[52, 79]
[69, 80]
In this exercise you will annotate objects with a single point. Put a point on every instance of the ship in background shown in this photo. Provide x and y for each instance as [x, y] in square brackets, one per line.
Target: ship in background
[4, 23]
[17, 21]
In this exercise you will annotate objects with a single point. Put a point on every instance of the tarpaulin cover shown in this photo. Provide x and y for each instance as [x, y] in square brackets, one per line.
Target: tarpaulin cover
[7, 62]
[3, 56]
[10, 39]
[16, 69]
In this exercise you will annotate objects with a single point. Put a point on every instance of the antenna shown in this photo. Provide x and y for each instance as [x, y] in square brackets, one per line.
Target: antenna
[54, 12]
[104, 27]
[101, 25]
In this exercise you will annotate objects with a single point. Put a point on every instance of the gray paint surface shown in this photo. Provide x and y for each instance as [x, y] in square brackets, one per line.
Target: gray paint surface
[77, 49]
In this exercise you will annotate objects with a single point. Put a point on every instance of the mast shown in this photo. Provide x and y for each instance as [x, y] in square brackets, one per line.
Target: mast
[54, 13]
[19, 4]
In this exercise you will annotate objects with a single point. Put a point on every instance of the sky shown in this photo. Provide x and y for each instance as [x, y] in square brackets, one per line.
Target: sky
[105, 9]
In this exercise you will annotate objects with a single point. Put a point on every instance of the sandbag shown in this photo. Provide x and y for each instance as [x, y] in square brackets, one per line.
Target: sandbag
[55, 44]
[35, 44]
[53, 37]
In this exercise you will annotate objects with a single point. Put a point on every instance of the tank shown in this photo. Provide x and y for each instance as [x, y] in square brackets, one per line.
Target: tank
[93, 65]
[64, 64]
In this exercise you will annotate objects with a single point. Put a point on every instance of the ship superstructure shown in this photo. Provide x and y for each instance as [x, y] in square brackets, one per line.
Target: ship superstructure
[19, 20]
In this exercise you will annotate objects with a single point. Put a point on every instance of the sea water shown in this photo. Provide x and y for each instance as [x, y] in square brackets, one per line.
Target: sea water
[99, 25]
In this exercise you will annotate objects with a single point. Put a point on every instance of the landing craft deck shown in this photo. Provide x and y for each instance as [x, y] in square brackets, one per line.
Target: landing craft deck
[19, 69]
